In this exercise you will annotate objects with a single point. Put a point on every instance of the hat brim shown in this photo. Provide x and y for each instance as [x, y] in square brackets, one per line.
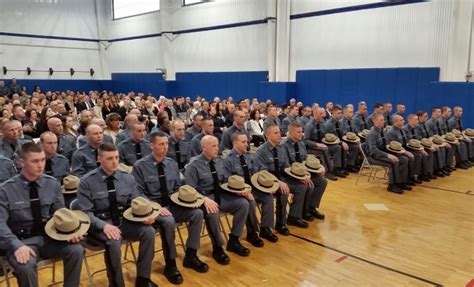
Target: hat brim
[395, 151]
[466, 135]
[288, 171]
[199, 201]
[357, 140]
[416, 148]
[312, 170]
[68, 191]
[455, 142]
[125, 168]
[226, 187]
[273, 189]
[53, 233]
[338, 141]
[128, 215]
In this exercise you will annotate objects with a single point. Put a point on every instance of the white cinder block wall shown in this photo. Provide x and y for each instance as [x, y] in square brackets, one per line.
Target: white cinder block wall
[434, 33]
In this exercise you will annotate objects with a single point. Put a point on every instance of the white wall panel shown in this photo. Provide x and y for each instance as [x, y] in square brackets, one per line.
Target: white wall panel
[415, 35]
[64, 18]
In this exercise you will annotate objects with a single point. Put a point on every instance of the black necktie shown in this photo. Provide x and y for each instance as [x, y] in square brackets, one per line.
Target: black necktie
[349, 124]
[215, 178]
[363, 120]
[243, 163]
[276, 162]
[178, 155]
[138, 150]
[297, 153]
[48, 169]
[35, 206]
[96, 161]
[403, 137]
[113, 208]
[163, 187]
[318, 131]
[446, 123]
[460, 124]
[383, 138]
[13, 146]
[388, 120]
[338, 131]
[439, 129]
[413, 132]
[426, 130]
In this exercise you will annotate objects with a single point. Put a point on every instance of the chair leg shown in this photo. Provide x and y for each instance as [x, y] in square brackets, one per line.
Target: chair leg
[223, 229]
[5, 271]
[88, 271]
[181, 238]
[133, 252]
[54, 271]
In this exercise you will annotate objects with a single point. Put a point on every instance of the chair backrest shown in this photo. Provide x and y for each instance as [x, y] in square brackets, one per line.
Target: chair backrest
[74, 205]
[365, 162]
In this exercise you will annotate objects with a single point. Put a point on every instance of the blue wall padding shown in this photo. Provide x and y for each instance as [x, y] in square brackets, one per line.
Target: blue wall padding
[148, 83]
[279, 92]
[239, 85]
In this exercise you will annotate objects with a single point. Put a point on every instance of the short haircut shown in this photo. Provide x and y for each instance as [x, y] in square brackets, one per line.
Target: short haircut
[270, 106]
[377, 105]
[174, 122]
[445, 108]
[106, 147]
[336, 108]
[157, 134]
[420, 113]
[294, 125]
[411, 116]
[377, 115]
[28, 148]
[269, 127]
[47, 133]
[196, 116]
[236, 135]
[435, 108]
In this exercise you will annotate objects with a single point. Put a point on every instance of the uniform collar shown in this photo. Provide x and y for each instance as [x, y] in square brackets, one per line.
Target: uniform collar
[25, 182]
[104, 175]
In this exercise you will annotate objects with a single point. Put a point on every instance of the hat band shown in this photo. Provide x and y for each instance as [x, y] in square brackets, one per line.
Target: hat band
[236, 189]
[144, 215]
[312, 167]
[70, 189]
[295, 174]
[72, 231]
[187, 201]
[264, 185]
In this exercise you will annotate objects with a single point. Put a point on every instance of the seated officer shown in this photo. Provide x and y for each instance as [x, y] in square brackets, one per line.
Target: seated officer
[207, 129]
[433, 125]
[239, 162]
[104, 193]
[396, 133]
[66, 143]
[313, 134]
[157, 177]
[178, 148]
[135, 147]
[272, 116]
[410, 130]
[296, 151]
[350, 150]
[85, 158]
[26, 201]
[205, 173]
[378, 154]
[360, 118]
[57, 165]
[272, 157]
[439, 165]
[238, 126]
[7, 168]
[10, 143]
[291, 118]
[81, 140]
[455, 122]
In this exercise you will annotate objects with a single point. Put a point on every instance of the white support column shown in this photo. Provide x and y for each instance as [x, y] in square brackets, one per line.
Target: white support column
[271, 13]
[283, 41]
[168, 8]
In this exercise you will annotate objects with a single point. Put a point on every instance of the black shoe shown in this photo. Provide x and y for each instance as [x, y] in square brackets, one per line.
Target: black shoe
[432, 176]
[233, 245]
[267, 233]
[283, 230]
[298, 222]
[352, 169]
[339, 173]
[172, 273]
[219, 255]
[253, 239]
[192, 261]
[308, 216]
[448, 169]
[461, 165]
[331, 176]
[394, 189]
[144, 282]
[404, 187]
[417, 181]
[426, 178]
[440, 173]
[344, 171]
[318, 215]
[411, 182]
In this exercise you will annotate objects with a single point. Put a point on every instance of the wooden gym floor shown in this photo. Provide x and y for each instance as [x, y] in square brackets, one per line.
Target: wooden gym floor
[425, 237]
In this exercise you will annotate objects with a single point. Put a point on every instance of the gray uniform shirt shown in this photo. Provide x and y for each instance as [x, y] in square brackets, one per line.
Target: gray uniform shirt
[264, 159]
[198, 174]
[232, 165]
[7, 168]
[15, 211]
[145, 172]
[93, 196]
[83, 160]
[268, 121]
[66, 145]
[360, 122]
[395, 134]
[127, 150]
[376, 144]
[121, 136]
[60, 167]
[289, 146]
[184, 150]
[335, 127]
[455, 123]
[434, 127]
[286, 123]
[226, 142]
[191, 133]
[314, 132]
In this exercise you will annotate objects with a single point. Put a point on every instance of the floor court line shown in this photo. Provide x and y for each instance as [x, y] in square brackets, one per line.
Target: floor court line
[368, 261]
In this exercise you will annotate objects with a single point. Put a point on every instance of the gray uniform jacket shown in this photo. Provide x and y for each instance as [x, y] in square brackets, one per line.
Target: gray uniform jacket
[60, 167]
[191, 133]
[83, 160]
[376, 144]
[360, 122]
[66, 145]
[15, 212]
[226, 142]
[264, 159]
[184, 150]
[289, 146]
[127, 151]
[286, 123]
[198, 174]
[314, 132]
[7, 168]
[232, 164]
